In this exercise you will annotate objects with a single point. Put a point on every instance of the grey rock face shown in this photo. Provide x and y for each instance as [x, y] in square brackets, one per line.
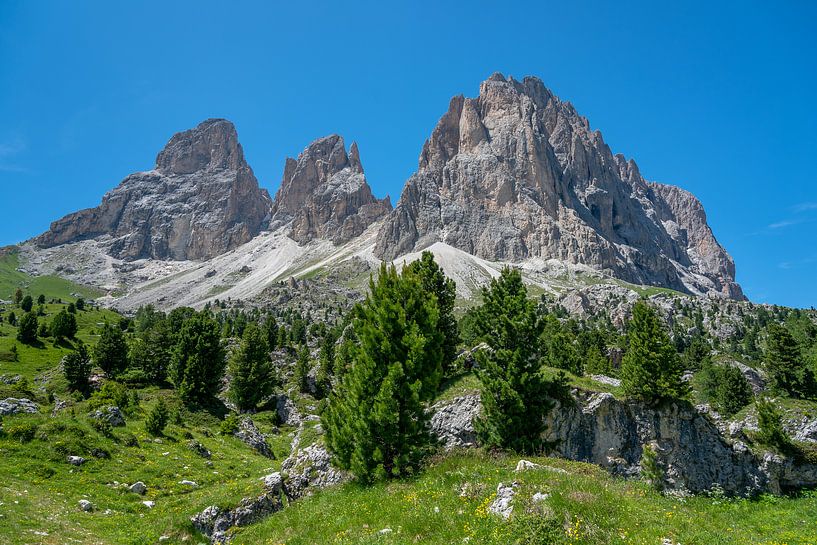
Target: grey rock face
[452, 422]
[215, 522]
[516, 173]
[308, 469]
[12, 405]
[201, 200]
[249, 434]
[695, 454]
[324, 194]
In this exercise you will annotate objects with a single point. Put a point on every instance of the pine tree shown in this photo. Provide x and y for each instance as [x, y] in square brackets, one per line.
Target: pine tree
[111, 352]
[27, 304]
[152, 350]
[156, 420]
[271, 331]
[64, 325]
[76, 366]
[18, 296]
[516, 396]
[434, 281]
[302, 367]
[41, 299]
[253, 377]
[770, 426]
[27, 328]
[12, 319]
[725, 387]
[650, 370]
[80, 304]
[788, 371]
[197, 365]
[376, 421]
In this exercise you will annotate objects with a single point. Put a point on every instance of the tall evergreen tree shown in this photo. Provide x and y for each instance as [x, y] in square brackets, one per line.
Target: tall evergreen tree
[152, 350]
[376, 420]
[18, 296]
[111, 352]
[27, 304]
[271, 331]
[787, 368]
[434, 281]
[253, 376]
[27, 328]
[516, 396]
[197, 365]
[651, 370]
[64, 325]
[76, 366]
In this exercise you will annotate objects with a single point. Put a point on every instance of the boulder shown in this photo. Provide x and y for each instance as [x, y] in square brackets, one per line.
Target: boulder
[138, 488]
[86, 506]
[308, 469]
[452, 421]
[502, 505]
[76, 460]
[249, 434]
[11, 406]
[111, 414]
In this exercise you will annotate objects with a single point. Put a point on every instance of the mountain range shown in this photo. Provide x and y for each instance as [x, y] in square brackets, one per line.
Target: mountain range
[513, 176]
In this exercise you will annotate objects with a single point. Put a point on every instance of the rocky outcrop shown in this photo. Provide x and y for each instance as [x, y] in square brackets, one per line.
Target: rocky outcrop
[200, 200]
[516, 173]
[324, 194]
[11, 405]
[310, 469]
[216, 522]
[452, 421]
[693, 452]
[112, 415]
[249, 435]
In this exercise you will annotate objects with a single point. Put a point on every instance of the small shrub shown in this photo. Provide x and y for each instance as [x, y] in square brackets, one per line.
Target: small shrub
[111, 393]
[770, 427]
[229, 425]
[102, 426]
[650, 469]
[23, 432]
[156, 420]
[535, 529]
[130, 440]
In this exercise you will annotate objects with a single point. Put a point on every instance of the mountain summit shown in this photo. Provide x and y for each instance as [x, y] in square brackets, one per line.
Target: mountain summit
[324, 194]
[517, 173]
[201, 200]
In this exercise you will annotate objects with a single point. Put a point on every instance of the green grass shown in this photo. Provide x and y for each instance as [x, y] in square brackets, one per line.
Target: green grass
[51, 286]
[46, 355]
[446, 504]
[39, 491]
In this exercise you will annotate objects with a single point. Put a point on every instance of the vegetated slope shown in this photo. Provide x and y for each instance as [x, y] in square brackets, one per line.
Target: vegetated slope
[448, 504]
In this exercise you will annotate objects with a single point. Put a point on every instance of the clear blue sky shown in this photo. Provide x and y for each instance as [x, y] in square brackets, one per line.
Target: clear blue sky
[717, 97]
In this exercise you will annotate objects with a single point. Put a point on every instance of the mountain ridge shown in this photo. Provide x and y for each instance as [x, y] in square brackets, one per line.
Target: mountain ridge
[513, 176]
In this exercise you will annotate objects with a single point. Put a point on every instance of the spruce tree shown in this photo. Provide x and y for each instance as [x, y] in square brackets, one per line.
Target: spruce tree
[41, 299]
[435, 282]
[76, 366]
[27, 304]
[156, 420]
[516, 396]
[152, 350]
[64, 325]
[27, 328]
[271, 331]
[788, 371]
[197, 365]
[650, 370]
[18, 296]
[376, 421]
[251, 369]
[111, 352]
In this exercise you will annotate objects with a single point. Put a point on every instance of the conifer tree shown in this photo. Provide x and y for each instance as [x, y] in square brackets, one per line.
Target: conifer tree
[76, 366]
[18, 296]
[156, 420]
[251, 369]
[302, 367]
[271, 331]
[64, 325]
[111, 352]
[650, 370]
[516, 396]
[197, 365]
[152, 350]
[786, 366]
[27, 328]
[27, 304]
[434, 281]
[376, 420]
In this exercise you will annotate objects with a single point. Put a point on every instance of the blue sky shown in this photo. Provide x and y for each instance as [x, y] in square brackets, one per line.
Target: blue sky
[718, 98]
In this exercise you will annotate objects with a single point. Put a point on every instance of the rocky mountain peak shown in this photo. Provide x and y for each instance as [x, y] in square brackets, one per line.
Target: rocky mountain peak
[212, 145]
[516, 173]
[201, 200]
[324, 194]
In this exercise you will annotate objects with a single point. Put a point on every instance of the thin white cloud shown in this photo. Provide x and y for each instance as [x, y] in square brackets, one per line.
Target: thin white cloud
[784, 223]
[12, 147]
[805, 206]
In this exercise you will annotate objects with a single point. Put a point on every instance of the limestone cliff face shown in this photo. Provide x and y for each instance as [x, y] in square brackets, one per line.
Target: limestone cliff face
[516, 173]
[324, 194]
[201, 200]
